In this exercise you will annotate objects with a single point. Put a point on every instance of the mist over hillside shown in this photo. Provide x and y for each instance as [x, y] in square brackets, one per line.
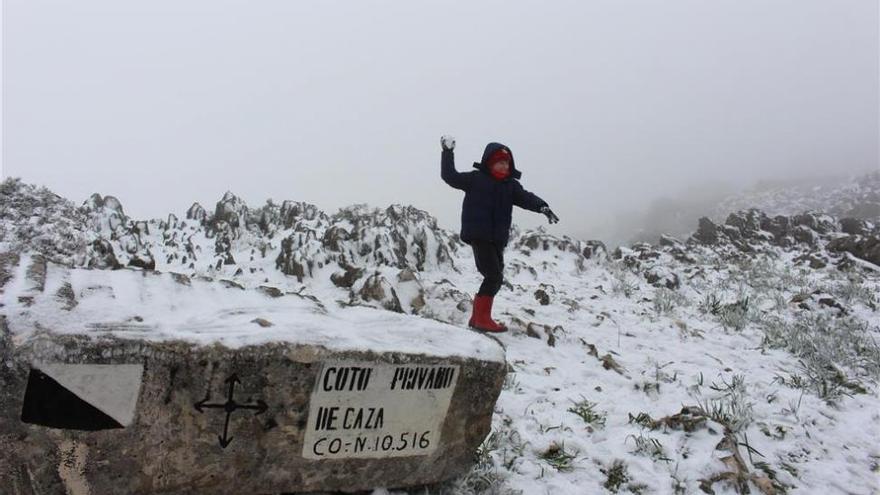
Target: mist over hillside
[853, 195]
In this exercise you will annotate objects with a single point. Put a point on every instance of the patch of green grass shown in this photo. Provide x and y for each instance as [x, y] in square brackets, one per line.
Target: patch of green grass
[617, 476]
[644, 420]
[649, 447]
[559, 458]
[733, 414]
[737, 384]
[586, 410]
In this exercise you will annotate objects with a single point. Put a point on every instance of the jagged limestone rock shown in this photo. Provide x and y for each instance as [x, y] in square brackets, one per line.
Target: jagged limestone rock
[661, 276]
[538, 239]
[594, 249]
[294, 211]
[820, 223]
[805, 235]
[101, 255]
[232, 210]
[143, 261]
[863, 247]
[96, 202]
[542, 297]
[418, 302]
[406, 275]
[377, 289]
[347, 278]
[707, 231]
[171, 223]
[196, 212]
[334, 237]
[290, 260]
[748, 221]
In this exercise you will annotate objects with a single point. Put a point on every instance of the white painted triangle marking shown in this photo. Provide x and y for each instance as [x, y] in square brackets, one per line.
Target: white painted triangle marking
[112, 388]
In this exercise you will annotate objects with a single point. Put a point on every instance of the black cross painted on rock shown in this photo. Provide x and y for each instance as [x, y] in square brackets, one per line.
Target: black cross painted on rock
[229, 407]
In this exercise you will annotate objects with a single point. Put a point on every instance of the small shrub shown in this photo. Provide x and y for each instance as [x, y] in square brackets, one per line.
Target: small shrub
[666, 300]
[735, 413]
[853, 290]
[711, 304]
[623, 281]
[732, 409]
[835, 352]
[737, 314]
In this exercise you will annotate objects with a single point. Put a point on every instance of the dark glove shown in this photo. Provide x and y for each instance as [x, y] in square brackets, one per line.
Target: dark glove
[447, 142]
[551, 217]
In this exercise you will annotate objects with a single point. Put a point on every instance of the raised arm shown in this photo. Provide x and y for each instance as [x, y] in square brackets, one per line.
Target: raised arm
[451, 176]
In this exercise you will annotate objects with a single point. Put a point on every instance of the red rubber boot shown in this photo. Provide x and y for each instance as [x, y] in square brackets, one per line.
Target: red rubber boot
[481, 319]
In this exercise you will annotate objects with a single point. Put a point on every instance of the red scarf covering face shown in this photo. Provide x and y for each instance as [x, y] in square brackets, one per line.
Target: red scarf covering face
[499, 175]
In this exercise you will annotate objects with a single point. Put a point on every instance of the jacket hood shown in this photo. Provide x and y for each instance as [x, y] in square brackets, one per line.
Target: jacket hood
[492, 148]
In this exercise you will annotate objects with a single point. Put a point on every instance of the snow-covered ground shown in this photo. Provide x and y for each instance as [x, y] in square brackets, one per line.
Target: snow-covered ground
[739, 368]
[564, 421]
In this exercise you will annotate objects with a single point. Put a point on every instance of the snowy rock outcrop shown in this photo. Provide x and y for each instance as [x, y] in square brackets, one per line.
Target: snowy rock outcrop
[109, 374]
[37, 219]
[811, 238]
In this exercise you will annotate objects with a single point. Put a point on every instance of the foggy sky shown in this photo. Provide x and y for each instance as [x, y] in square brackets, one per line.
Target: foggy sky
[607, 105]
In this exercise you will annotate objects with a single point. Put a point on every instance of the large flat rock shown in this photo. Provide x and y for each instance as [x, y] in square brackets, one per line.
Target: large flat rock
[138, 382]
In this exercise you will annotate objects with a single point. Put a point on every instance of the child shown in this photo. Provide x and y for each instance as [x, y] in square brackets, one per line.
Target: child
[490, 192]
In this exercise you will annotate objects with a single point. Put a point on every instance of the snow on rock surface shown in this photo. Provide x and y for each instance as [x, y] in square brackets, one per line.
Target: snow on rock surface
[155, 306]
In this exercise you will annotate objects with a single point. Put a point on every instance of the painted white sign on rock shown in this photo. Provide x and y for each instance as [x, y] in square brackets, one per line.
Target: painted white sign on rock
[111, 388]
[370, 410]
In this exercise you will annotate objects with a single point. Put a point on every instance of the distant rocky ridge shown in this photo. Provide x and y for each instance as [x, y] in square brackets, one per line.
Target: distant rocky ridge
[858, 197]
[351, 244]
